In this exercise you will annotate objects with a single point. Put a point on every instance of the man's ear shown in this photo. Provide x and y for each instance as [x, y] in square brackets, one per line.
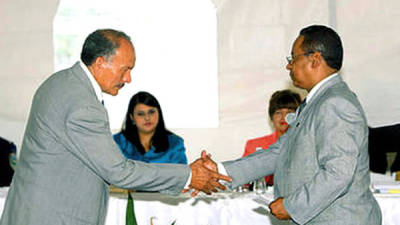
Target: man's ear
[100, 62]
[316, 59]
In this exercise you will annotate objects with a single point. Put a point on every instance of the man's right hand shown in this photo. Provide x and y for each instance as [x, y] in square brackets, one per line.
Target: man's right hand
[205, 176]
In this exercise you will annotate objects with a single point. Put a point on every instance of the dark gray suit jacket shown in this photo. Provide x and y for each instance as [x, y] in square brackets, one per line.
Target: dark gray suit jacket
[69, 158]
[321, 164]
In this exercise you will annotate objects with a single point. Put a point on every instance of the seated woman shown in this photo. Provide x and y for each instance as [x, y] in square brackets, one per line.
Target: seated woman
[281, 103]
[144, 137]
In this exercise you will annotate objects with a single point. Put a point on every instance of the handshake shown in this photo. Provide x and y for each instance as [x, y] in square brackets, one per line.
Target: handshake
[205, 176]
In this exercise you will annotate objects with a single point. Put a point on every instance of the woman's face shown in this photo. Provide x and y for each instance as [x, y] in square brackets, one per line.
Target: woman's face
[278, 120]
[145, 117]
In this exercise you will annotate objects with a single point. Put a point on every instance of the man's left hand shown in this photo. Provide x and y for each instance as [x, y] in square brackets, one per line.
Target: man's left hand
[278, 210]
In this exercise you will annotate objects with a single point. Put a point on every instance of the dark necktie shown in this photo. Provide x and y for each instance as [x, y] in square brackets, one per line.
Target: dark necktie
[301, 106]
[102, 102]
[130, 211]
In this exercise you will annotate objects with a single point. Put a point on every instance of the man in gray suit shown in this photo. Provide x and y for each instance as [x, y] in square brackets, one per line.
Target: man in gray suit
[321, 165]
[68, 156]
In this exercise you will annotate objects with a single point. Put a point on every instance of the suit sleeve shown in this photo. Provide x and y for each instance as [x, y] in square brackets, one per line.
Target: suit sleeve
[254, 166]
[91, 142]
[343, 127]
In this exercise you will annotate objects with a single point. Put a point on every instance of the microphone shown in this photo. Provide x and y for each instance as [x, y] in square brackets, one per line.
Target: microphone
[290, 118]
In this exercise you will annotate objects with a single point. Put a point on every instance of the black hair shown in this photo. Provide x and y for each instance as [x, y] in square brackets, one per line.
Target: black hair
[318, 38]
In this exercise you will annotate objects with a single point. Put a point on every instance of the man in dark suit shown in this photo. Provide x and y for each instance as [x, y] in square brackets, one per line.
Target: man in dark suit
[69, 158]
[7, 160]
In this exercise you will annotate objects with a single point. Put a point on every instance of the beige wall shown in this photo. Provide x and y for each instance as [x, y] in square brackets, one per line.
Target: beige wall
[26, 58]
[26, 52]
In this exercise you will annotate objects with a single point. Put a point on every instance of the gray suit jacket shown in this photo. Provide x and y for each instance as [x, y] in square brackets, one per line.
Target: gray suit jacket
[69, 158]
[321, 164]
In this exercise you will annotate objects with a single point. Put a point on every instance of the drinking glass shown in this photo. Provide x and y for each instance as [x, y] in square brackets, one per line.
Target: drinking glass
[260, 186]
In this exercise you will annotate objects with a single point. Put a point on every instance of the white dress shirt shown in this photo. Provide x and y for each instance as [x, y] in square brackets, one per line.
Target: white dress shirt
[317, 86]
[94, 83]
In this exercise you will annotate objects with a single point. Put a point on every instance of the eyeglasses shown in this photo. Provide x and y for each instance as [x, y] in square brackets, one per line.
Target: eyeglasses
[291, 58]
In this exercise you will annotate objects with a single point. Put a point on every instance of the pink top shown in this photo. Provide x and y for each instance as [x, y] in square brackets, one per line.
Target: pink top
[261, 143]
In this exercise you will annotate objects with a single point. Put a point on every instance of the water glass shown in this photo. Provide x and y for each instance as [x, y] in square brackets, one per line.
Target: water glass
[259, 186]
[238, 189]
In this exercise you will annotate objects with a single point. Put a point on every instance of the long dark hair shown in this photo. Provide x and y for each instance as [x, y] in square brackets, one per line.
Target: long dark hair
[130, 130]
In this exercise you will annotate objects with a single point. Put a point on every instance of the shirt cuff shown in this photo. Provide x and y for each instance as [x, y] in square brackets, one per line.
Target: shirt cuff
[221, 169]
[188, 181]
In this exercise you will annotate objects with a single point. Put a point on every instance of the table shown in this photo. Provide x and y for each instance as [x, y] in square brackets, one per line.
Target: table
[224, 208]
[390, 207]
[217, 209]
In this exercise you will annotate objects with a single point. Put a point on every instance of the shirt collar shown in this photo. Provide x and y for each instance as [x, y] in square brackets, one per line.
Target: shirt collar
[96, 86]
[318, 86]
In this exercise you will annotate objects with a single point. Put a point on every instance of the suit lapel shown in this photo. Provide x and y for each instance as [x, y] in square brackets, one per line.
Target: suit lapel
[303, 117]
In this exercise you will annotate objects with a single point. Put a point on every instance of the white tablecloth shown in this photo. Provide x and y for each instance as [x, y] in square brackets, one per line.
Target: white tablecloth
[390, 207]
[218, 209]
